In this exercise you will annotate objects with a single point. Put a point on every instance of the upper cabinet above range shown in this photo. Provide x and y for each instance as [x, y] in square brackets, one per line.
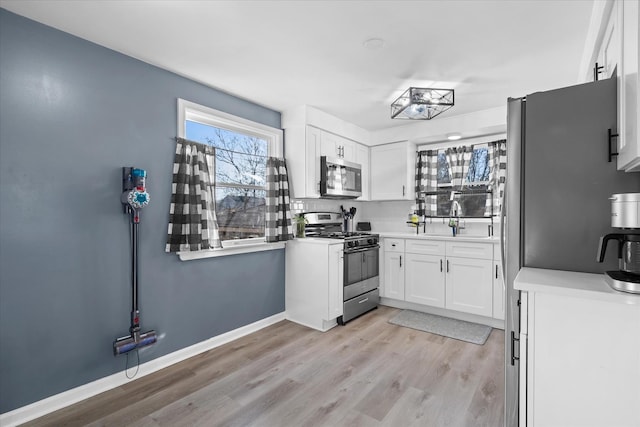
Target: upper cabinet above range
[309, 134]
[332, 145]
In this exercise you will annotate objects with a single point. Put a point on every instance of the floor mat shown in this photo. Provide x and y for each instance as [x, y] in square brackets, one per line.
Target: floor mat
[452, 328]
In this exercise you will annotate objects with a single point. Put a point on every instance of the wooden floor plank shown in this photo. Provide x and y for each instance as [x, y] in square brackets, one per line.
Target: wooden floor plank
[368, 373]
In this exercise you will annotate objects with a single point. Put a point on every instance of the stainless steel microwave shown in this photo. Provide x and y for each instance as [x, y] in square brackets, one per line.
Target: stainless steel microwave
[340, 179]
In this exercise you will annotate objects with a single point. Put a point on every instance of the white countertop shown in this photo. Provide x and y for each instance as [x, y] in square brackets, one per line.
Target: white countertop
[459, 237]
[571, 283]
[317, 241]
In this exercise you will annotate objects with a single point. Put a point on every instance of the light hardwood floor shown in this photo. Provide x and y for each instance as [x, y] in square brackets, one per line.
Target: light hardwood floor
[367, 373]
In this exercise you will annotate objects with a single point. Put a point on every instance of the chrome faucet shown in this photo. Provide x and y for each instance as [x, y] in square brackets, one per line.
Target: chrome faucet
[454, 217]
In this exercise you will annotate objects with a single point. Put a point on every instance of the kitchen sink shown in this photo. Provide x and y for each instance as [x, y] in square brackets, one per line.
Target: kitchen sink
[459, 236]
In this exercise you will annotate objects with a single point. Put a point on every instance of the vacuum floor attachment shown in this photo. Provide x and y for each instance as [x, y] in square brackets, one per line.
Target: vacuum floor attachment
[126, 344]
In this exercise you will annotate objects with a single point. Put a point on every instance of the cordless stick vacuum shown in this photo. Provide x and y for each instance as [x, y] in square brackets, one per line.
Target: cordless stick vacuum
[134, 198]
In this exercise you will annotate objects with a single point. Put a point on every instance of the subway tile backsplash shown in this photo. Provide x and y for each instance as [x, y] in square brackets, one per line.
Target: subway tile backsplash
[390, 216]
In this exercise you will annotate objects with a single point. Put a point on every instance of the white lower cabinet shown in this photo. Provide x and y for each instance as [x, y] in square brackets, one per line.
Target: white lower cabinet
[579, 354]
[393, 275]
[469, 285]
[314, 283]
[454, 275]
[425, 280]
[335, 282]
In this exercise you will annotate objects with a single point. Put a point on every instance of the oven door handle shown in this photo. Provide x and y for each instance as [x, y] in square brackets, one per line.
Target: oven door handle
[353, 251]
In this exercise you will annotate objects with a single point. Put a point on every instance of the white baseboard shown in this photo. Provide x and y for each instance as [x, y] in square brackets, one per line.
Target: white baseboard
[69, 397]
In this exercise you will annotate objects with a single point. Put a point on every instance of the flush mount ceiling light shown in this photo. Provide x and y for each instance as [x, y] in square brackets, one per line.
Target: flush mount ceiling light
[454, 136]
[418, 103]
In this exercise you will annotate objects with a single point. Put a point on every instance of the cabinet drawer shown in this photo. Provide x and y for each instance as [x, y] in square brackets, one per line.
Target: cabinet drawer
[426, 247]
[393, 245]
[470, 250]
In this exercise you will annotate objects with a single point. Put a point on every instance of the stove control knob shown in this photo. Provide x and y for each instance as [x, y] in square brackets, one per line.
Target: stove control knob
[356, 243]
[371, 241]
[350, 244]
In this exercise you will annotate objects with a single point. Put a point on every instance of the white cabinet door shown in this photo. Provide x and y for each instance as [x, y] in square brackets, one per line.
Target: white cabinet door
[348, 150]
[628, 100]
[469, 285]
[330, 145]
[335, 146]
[498, 291]
[312, 162]
[394, 275]
[336, 282]
[424, 279]
[392, 172]
[523, 362]
[609, 55]
[583, 361]
[362, 158]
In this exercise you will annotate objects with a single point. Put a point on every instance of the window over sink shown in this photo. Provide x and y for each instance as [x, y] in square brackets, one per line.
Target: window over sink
[464, 181]
[476, 182]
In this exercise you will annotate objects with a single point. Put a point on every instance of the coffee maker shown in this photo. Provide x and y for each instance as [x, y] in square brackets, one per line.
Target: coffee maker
[625, 215]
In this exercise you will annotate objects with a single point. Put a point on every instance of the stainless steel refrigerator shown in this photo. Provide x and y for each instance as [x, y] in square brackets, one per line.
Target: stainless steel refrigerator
[556, 206]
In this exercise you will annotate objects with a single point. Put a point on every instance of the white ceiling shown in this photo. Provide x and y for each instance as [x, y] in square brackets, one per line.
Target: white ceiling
[282, 54]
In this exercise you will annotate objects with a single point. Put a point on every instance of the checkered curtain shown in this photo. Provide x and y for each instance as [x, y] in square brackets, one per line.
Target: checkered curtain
[426, 180]
[278, 212]
[458, 159]
[498, 167]
[192, 215]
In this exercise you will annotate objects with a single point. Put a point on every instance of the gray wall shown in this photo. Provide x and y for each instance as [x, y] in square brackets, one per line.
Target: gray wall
[71, 115]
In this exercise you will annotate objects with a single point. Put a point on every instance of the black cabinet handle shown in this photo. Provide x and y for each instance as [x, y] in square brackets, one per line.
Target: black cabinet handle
[611, 136]
[496, 271]
[447, 266]
[596, 71]
[403, 191]
[513, 348]
[440, 266]
[400, 260]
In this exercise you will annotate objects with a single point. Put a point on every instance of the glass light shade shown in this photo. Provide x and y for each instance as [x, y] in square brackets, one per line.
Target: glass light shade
[418, 103]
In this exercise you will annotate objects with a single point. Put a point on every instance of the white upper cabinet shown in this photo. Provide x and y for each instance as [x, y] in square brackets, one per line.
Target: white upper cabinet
[393, 171]
[616, 51]
[332, 145]
[310, 134]
[362, 158]
[609, 55]
[628, 101]
[302, 152]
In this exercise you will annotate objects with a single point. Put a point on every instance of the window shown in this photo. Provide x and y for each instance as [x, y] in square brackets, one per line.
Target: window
[238, 170]
[473, 201]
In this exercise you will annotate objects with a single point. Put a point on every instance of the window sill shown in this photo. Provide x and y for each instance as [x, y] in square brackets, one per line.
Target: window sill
[231, 250]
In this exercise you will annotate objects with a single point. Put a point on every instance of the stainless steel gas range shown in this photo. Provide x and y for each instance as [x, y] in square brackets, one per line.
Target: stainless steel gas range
[360, 263]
